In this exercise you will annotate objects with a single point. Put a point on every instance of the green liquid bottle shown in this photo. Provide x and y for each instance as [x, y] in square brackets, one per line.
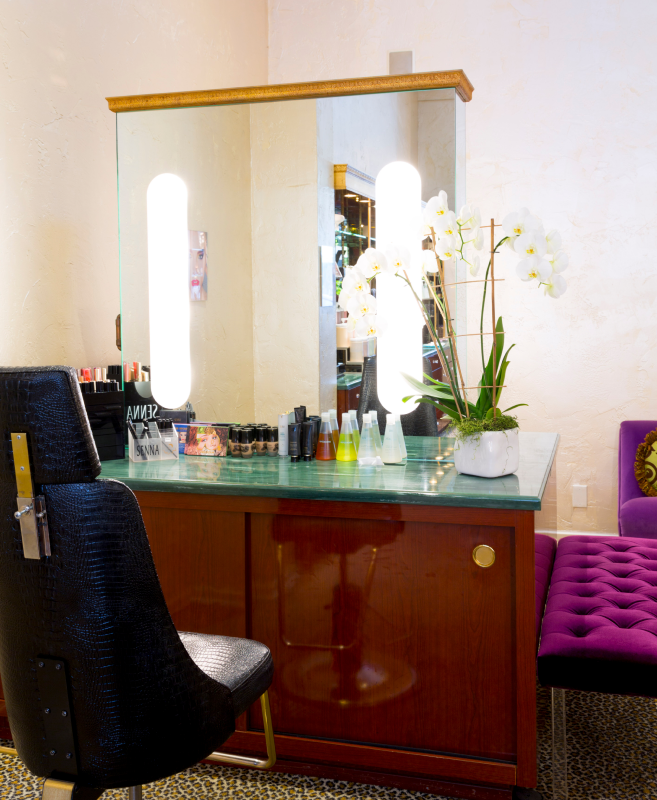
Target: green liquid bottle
[346, 448]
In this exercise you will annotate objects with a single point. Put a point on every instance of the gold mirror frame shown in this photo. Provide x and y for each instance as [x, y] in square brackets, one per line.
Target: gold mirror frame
[452, 79]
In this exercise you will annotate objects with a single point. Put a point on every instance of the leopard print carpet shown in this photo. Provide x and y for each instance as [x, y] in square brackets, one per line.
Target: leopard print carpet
[612, 755]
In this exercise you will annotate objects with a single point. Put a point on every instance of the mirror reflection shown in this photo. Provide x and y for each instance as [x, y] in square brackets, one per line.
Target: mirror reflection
[281, 200]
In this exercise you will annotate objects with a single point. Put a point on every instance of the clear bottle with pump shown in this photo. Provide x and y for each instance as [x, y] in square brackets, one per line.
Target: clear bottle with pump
[353, 416]
[367, 447]
[377, 432]
[391, 452]
[400, 431]
[335, 429]
[346, 449]
[325, 444]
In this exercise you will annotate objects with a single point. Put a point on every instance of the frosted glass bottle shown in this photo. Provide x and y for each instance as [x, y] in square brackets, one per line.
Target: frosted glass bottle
[367, 448]
[353, 416]
[325, 445]
[346, 449]
[377, 432]
[391, 453]
[335, 428]
[400, 431]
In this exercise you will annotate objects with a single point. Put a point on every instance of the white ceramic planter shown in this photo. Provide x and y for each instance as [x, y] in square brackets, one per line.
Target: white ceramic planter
[489, 455]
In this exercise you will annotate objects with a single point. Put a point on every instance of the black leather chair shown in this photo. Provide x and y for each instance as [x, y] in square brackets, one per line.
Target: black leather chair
[419, 422]
[101, 690]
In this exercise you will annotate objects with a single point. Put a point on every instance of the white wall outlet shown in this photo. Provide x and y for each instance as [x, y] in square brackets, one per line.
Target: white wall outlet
[580, 496]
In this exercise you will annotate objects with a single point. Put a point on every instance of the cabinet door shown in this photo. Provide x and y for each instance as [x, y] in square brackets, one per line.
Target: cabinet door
[387, 633]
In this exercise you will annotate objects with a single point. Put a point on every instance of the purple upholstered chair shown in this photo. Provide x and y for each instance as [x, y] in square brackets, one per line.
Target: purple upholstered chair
[637, 514]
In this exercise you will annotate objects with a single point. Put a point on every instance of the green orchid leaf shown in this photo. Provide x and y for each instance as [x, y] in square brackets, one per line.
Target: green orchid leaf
[517, 405]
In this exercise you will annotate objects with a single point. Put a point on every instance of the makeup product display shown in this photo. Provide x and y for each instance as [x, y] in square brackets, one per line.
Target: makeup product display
[207, 440]
[376, 431]
[325, 445]
[335, 428]
[391, 452]
[353, 416]
[103, 401]
[294, 441]
[300, 414]
[152, 440]
[346, 449]
[367, 451]
[283, 422]
[272, 442]
[400, 432]
[261, 436]
[246, 442]
[307, 440]
[317, 424]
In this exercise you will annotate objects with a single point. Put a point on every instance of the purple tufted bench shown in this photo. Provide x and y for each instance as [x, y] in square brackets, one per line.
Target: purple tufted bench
[599, 631]
[544, 548]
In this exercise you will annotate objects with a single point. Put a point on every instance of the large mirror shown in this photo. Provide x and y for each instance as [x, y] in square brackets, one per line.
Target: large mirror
[281, 199]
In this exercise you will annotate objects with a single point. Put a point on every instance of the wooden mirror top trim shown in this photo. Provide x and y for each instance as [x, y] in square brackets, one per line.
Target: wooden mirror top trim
[453, 79]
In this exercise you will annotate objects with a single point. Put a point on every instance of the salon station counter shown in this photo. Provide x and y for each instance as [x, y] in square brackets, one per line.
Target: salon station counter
[399, 660]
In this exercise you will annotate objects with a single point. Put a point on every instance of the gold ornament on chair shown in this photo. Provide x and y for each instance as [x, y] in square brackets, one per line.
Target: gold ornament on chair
[645, 466]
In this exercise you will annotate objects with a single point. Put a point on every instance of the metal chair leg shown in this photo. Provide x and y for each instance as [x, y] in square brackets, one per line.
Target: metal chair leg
[559, 751]
[246, 761]
[57, 790]
[134, 793]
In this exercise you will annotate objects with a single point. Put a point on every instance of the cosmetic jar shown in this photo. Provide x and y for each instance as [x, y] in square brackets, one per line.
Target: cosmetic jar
[272, 442]
[234, 446]
[261, 441]
[246, 442]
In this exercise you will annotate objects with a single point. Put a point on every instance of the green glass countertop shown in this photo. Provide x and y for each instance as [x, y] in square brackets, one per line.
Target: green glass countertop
[347, 380]
[428, 477]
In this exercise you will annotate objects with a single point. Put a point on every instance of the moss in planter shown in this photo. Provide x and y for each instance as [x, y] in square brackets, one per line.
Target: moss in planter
[475, 427]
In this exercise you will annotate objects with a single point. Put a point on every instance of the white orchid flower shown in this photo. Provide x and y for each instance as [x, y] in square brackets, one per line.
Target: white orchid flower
[361, 304]
[436, 207]
[555, 286]
[370, 325]
[446, 248]
[469, 217]
[529, 244]
[532, 268]
[478, 241]
[426, 261]
[475, 266]
[558, 261]
[398, 257]
[373, 263]
[446, 225]
[354, 280]
[553, 241]
[518, 222]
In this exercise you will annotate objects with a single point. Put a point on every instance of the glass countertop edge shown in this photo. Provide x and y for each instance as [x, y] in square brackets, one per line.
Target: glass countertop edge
[522, 503]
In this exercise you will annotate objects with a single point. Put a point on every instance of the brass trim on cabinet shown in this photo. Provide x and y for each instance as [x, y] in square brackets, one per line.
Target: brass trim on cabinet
[451, 79]
[483, 555]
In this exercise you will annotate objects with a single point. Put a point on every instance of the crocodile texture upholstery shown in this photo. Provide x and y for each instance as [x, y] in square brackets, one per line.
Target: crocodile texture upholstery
[244, 666]
[142, 708]
[544, 550]
[46, 402]
[420, 422]
[600, 624]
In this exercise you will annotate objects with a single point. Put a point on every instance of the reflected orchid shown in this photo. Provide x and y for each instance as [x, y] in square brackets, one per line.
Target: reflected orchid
[361, 304]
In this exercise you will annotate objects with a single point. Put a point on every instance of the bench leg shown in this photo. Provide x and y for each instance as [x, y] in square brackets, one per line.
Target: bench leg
[559, 753]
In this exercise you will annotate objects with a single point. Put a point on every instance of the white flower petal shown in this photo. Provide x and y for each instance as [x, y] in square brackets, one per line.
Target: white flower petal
[559, 261]
[530, 244]
[553, 241]
[427, 261]
[475, 265]
[555, 286]
[478, 242]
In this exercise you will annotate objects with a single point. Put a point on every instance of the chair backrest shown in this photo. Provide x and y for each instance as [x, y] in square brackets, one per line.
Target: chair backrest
[95, 607]
[419, 422]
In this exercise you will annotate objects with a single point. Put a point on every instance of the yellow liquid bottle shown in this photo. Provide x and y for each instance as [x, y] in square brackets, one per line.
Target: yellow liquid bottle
[355, 433]
[346, 448]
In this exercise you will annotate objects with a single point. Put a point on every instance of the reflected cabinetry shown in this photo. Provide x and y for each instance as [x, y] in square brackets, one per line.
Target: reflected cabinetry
[398, 660]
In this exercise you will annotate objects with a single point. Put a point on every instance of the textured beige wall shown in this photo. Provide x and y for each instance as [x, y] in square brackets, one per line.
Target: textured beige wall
[564, 121]
[58, 216]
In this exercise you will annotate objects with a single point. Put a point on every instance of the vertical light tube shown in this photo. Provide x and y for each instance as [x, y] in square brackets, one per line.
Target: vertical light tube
[399, 349]
[168, 290]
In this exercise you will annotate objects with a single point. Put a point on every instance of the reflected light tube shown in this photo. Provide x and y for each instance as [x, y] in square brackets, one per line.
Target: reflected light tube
[168, 290]
[399, 348]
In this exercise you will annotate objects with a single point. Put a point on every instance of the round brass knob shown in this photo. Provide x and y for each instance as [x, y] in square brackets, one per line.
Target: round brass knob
[483, 556]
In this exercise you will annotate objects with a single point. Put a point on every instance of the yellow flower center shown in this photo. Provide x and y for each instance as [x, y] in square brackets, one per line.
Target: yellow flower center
[531, 250]
[440, 212]
[517, 230]
[533, 274]
[371, 331]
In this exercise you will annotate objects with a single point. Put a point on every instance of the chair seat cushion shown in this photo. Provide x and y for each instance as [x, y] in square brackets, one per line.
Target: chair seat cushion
[600, 625]
[544, 549]
[242, 665]
[638, 517]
